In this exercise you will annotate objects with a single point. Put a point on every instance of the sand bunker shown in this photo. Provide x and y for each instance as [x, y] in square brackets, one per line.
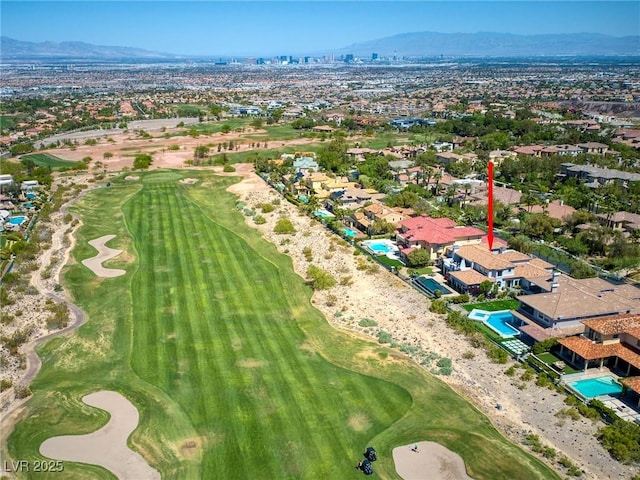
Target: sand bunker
[104, 253]
[189, 181]
[430, 461]
[106, 447]
[132, 178]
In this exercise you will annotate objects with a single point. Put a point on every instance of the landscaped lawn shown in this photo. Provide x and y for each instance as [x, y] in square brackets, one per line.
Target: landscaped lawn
[46, 159]
[212, 336]
[507, 304]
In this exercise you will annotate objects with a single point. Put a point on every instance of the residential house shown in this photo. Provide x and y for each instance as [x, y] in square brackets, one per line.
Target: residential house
[594, 148]
[435, 235]
[624, 221]
[506, 268]
[379, 212]
[566, 301]
[594, 177]
[497, 156]
[612, 341]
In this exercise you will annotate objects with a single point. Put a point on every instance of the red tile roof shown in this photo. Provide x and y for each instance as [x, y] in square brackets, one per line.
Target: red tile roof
[436, 231]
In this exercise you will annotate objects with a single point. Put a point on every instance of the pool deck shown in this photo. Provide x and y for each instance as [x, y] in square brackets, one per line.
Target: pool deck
[623, 408]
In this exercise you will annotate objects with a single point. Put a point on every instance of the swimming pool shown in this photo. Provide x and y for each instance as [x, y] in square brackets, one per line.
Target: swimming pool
[431, 286]
[349, 232]
[496, 321]
[380, 247]
[323, 214]
[17, 220]
[594, 387]
[31, 196]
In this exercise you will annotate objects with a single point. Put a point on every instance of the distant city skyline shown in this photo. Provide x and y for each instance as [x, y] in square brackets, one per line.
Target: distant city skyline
[265, 28]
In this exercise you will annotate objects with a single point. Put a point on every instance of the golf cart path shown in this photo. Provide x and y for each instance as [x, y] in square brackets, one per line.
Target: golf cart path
[106, 447]
[104, 253]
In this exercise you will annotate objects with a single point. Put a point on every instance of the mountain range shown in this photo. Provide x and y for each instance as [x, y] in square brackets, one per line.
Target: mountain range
[419, 44]
[17, 50]
[487, 44]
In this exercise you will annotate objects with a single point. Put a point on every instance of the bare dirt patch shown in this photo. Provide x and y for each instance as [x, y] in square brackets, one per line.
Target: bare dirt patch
[358, 422]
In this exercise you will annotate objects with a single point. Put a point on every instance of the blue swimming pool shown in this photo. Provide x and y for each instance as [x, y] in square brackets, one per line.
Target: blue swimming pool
[17, 220]
[431, 286]
[380, 246]
[500, 321]
[594, 387]
[323, 214]
[31, 196]
[349, 232]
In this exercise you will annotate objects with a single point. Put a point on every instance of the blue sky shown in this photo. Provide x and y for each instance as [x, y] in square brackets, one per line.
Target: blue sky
[297, 27]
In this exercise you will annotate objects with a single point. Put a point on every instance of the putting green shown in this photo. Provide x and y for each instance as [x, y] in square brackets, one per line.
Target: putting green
[212, 337]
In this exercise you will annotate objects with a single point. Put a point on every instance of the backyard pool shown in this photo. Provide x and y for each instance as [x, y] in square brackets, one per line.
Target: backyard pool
[323, 214]
[31, 196]
[381, 247]
[17, 220]
[496, 321]
[349, 232]
[431, 286]
[594, 387]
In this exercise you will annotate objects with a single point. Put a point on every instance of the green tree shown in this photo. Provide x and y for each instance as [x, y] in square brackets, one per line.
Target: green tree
[142, 161]
[419, 257]
[320, 279]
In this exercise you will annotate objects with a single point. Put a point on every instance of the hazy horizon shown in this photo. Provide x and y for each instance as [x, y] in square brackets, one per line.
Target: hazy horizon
[262, 28]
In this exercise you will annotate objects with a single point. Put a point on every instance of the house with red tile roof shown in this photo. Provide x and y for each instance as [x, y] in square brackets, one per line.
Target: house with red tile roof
[612, 341]
[435, 234]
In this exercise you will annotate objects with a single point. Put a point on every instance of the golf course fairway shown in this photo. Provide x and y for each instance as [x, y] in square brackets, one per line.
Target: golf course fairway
[212, 336]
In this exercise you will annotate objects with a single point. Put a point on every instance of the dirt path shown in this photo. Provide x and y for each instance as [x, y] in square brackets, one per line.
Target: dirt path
[106, 447]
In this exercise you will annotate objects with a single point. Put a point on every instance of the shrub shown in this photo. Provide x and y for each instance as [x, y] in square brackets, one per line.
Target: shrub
[284, 226]
[468, 355]
[367, 322]
[320, 279]
[308, 254]
[5, 384]
[267, 208]
[497, 354]
[229, 168]
[622, 440]
[511, 371]
[346, 280]
[22, 392]
[384, 337]
[438, 306]
[464, 298]
[259, 220]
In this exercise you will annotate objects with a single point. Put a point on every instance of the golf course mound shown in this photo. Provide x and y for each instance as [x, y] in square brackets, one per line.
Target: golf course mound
[429, 460]
[104, 253]
[106, 447]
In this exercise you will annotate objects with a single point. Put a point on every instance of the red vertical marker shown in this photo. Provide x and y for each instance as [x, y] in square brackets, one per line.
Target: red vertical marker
[490, 209]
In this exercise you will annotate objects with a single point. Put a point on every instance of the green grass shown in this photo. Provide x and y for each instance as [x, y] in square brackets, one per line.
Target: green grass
[8, 121]
[382, 140]
[46, 159]
[550, 358]
[212, 336]
[390, 262]
[508, 304]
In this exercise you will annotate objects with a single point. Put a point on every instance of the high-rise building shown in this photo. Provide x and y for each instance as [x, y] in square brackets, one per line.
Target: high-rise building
[374, 56]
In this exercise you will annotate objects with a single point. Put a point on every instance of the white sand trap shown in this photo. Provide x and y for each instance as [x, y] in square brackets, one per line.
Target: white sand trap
[104, 253]
[106, 447]
[132, 178]
[431, 461]
[189, 181]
